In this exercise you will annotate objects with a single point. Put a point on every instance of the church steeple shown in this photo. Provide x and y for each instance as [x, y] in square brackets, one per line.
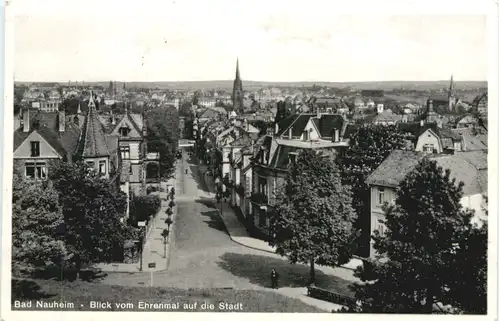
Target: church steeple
[237, 89]
[452, 87]
[452, 100]
[237, 70]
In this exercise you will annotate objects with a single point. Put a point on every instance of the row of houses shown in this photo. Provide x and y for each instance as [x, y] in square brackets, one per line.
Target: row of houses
[251, 169]
[113, 145]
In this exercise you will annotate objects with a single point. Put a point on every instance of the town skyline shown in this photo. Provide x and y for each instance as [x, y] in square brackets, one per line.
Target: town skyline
[179, 42]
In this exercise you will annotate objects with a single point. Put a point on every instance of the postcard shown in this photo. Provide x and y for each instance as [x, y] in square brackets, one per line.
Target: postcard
[169, 157]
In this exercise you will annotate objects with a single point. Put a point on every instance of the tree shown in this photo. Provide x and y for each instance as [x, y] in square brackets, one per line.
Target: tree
[312, 219]
[469, 293]
[424, 229]
[163, 137]
[92, 210]
[36, 219]
[186, 110]
[369, 145]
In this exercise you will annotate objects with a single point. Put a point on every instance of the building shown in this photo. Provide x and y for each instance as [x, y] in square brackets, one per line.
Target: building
[471, 168]
[238, 90]
[46, 105]
[43, 140]
[130, 131]
[387, 117]
[436, 140]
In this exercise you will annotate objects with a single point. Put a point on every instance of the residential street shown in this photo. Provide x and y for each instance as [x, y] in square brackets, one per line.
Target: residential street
[204, 256]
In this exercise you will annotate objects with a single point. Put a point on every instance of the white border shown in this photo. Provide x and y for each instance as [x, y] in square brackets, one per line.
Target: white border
[366, 7]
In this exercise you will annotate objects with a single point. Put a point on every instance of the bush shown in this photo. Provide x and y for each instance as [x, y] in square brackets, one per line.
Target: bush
[141, 207]
[171, 204]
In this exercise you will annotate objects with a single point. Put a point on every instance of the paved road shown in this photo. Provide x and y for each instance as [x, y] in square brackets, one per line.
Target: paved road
[203, 255]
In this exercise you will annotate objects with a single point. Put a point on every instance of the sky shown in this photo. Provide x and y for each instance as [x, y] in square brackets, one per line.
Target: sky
[192, 40]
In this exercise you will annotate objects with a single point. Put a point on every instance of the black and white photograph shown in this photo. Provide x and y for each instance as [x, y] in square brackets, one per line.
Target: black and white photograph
[250, 157]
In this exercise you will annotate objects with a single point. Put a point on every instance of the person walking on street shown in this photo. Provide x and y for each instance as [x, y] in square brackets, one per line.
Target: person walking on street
[274, 279]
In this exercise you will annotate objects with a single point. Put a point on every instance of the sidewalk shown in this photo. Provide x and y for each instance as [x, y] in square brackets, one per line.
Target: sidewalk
[154, 247]
[238, 233]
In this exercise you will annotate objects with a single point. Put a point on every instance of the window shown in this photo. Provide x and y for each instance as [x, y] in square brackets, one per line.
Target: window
[380, 228]
[125, 151]
[102, 167]
[306, 135]
[428, 148]
[248, 185]
[36, 170]
[35, 149]
[131, 170]
[124, 131]
[90, 164]
[381, 196]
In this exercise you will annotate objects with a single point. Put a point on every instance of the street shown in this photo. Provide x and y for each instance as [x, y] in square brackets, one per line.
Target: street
[204, 256]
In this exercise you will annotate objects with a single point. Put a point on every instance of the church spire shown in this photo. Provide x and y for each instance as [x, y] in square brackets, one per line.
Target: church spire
[237, 89]
[237, 70]
[452, 86]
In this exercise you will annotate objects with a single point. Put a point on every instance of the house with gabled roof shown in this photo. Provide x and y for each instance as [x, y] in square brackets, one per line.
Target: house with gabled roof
[42, 139]
[45, 138]
[314, 128]
[130, 130]
[471, 168]
[270, 161]
[434, 139]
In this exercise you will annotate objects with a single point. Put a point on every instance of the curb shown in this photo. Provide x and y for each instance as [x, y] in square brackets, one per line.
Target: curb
[240, 243]
[249, 246]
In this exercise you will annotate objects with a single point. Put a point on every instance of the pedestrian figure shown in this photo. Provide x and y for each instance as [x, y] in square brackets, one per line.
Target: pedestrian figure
[186, 171]
[274, 279]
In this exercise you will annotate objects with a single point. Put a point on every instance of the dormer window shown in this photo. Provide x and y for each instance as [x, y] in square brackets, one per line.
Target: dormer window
[124, 131]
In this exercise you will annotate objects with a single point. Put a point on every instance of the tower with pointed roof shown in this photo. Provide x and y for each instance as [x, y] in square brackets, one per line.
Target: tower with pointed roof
[94, 148]
[452, 99]
[237, 90]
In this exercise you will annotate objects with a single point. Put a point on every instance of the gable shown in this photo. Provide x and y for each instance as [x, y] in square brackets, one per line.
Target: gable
[46, 150]
[125, 122]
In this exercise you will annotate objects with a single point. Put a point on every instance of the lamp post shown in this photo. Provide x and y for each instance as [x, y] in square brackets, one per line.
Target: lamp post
[142, 225]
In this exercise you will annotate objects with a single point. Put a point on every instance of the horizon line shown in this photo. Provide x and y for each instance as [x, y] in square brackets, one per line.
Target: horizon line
[255, 81]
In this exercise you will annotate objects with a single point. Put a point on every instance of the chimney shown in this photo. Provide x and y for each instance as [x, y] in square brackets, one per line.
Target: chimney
[113, 122]
[421, 123]
[62, 120]
[26, 120]
[276, 128]
[337, 135]
[290, 133]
